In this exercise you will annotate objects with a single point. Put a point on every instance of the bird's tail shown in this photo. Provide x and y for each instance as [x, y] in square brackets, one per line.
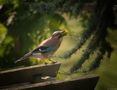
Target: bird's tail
[24, 57]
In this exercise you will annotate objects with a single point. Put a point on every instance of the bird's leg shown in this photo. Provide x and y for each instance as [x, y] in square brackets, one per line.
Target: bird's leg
[47, 61]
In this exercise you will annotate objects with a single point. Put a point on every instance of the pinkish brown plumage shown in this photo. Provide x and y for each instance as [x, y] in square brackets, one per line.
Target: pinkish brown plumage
[47, 48]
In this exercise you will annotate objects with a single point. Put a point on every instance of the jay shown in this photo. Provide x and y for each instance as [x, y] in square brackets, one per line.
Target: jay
[47, 48]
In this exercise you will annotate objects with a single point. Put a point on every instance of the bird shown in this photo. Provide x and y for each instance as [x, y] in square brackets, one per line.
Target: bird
[47, 48]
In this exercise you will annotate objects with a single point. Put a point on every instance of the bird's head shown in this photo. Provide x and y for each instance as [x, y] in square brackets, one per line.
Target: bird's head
[59, 34]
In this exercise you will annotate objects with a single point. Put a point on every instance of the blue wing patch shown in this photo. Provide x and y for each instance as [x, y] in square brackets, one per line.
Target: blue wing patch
[43, 49]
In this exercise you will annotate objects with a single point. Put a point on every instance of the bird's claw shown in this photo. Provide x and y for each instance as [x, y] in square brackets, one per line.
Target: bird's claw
[50, 62]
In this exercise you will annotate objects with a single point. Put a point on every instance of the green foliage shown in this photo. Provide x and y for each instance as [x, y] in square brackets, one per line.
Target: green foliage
[6, 53]
[3, 32]
[96, 28]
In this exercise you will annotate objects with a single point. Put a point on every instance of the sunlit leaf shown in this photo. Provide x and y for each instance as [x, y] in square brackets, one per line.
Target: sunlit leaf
[3, 32]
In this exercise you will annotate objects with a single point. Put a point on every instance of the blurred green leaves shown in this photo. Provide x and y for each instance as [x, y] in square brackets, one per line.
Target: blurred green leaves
[6, 45]
[14, 2]
[3, 32]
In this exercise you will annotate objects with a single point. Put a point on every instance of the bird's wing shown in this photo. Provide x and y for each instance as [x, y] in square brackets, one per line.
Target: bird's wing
[42, 49]
[24, 57]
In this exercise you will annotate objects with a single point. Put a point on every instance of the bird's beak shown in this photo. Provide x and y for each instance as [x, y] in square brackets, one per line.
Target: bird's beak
[64, 33]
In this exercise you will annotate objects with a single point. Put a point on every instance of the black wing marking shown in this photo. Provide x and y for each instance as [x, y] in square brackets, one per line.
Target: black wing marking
[41, 49]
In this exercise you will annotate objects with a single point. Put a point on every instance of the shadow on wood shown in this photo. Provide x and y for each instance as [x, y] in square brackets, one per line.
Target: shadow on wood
[83, 83]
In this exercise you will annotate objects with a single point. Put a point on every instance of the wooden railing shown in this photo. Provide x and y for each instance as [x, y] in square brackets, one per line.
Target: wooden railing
[43, 77]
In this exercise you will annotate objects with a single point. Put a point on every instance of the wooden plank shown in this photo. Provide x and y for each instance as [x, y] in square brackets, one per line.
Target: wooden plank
[28, 74]
[82, 83]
